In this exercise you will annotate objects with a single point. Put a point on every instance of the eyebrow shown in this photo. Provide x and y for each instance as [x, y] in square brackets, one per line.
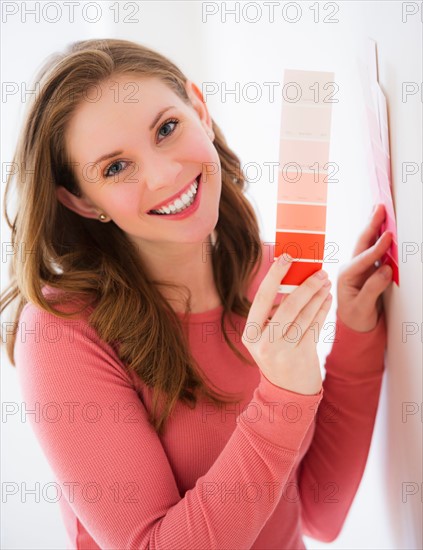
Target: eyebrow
[155, 120]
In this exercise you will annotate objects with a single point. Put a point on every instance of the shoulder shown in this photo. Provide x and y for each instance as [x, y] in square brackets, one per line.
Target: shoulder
[47, 344]
[43, 325]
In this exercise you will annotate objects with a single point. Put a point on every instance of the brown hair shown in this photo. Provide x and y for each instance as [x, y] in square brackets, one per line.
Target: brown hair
[102, 263]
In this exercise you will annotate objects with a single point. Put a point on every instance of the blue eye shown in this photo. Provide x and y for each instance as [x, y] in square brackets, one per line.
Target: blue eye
[107, 173]
[166, 123]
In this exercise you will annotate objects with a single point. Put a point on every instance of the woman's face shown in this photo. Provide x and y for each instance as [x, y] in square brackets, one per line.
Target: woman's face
[154, 157]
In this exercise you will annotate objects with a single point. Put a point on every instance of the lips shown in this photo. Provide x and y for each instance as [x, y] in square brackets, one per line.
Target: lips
[173, 197]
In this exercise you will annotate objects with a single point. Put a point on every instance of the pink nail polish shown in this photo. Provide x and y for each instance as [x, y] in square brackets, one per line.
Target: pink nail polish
[386, 272]
[385, 233]
[284, 259]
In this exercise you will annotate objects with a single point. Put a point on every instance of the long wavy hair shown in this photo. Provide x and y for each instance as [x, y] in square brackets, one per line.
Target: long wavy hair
[102, 265]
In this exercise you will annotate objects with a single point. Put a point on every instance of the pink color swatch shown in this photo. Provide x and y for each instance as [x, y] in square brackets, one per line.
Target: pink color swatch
[303, 172]
[378, 156]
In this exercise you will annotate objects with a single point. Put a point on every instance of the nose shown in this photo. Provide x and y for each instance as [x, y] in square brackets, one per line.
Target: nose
[162, 175]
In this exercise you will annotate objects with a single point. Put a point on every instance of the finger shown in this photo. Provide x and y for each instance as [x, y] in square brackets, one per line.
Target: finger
[366, 260]
[262, 305]
[297, 300]
[319, 320]
[280, 297]
[371, 232]
[308, 313]
[373, 288]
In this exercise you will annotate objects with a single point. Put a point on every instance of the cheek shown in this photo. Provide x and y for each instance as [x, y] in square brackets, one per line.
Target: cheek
[121, 201]
[195, 147]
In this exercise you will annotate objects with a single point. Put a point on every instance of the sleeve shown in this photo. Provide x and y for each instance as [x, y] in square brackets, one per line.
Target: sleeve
[114, 472]
[331, 470]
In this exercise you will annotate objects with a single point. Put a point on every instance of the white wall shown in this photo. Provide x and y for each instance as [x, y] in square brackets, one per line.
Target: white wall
[210, 50]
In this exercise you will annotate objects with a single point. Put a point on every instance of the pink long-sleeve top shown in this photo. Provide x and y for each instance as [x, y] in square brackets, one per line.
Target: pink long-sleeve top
[256, 475]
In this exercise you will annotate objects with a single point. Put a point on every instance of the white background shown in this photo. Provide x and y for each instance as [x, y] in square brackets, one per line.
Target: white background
[218, 49]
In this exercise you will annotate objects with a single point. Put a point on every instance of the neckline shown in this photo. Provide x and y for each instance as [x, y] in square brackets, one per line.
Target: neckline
[202, 316]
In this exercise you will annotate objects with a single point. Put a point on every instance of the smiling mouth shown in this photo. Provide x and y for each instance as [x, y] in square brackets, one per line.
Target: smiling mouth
[181, 202]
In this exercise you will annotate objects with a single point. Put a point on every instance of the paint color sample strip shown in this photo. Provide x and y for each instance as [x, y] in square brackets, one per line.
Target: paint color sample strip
[378, 156]
[303, 173]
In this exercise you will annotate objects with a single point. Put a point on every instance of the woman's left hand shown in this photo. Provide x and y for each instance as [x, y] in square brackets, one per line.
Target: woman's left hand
[360, 283]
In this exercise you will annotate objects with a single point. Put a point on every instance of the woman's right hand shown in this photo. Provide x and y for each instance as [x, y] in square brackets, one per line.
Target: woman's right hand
[285, 348]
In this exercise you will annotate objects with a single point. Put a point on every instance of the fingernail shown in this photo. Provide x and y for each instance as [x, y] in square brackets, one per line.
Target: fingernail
[388, 233]
[373, 212]
[284, 259]
[386, 272]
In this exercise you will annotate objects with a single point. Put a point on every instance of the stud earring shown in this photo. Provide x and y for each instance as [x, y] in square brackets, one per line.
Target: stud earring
[102, 217]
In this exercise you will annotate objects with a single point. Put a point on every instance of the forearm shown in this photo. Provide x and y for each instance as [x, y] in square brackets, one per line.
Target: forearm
[336, 459]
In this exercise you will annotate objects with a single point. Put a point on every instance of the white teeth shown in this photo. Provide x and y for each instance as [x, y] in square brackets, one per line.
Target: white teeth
[185, 198]
[181, 203]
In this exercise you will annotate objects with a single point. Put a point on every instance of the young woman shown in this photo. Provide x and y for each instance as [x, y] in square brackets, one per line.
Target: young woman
[172, 420]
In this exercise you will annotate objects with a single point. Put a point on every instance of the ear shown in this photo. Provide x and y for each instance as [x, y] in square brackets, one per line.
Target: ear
[196, 98]
[81, 205]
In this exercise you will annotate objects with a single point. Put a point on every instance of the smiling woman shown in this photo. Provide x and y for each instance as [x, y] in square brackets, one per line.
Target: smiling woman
[128, 193]
[106, 100]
